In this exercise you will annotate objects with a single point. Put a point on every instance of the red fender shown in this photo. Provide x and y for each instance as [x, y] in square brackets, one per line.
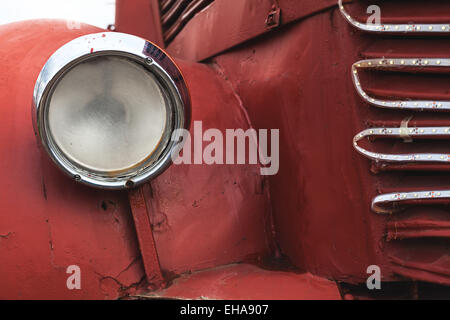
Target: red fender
[203, 216]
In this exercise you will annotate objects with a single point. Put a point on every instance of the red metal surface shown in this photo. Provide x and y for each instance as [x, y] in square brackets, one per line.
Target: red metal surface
[274, 85]
[202, 216]
[145, 236]
[417, 228]
[248, 282]
[295, 79]
[437, 11]
[141, 18]
[49, 222]
[422, 260]
[321, 195]
[298, 80]
[208, 215]
[227, 23]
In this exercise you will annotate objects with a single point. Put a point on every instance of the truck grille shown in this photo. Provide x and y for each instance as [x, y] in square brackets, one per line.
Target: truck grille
[404, 77]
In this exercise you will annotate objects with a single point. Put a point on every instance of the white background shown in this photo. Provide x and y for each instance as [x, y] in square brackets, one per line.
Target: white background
[99, 13]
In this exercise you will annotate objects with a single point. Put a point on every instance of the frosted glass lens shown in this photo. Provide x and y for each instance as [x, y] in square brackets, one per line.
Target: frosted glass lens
[107, 114]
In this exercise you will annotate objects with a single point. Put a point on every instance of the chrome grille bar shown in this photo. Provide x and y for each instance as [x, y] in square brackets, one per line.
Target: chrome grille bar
[395, 28]
[400, 63]
[391, 202]
[422, 132]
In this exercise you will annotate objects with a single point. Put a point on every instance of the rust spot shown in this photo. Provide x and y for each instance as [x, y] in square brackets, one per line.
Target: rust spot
[6, 236]
[159, 222]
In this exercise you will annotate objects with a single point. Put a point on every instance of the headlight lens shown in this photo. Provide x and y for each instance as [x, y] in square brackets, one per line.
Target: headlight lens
[105, 112]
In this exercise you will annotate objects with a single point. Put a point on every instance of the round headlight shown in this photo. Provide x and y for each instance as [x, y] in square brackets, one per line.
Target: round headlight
[106, 106]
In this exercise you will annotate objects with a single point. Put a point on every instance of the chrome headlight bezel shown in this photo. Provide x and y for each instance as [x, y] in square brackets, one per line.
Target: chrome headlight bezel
[140, 51]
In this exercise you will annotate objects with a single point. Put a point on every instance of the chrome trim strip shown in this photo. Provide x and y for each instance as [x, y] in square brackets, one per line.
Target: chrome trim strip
[400, 63]
[396, 28]
[399, 197]
[401, 133]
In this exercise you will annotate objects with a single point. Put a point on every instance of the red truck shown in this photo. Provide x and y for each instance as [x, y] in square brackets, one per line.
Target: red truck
[123, 175]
